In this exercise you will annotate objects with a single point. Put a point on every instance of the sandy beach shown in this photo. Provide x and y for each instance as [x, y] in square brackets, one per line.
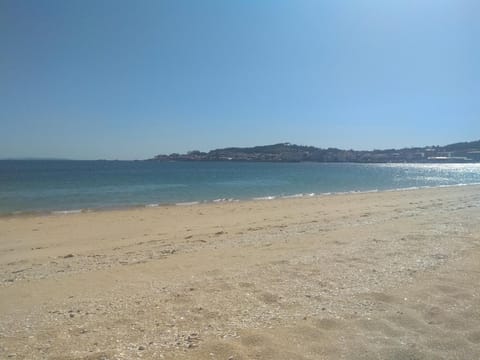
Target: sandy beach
[389, 275]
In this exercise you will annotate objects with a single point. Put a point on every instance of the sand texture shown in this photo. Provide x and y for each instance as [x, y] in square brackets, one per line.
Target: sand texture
[391, 275]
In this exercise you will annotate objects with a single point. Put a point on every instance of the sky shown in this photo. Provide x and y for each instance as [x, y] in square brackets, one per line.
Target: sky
[98, 79]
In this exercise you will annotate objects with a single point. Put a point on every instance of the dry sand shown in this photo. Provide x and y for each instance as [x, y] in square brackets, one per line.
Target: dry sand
[392, 275]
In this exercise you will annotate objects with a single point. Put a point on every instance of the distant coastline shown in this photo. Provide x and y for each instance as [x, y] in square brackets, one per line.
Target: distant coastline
[464, 152]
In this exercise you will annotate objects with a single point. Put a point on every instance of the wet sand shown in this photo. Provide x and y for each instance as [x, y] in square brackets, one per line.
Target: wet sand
[390, 275]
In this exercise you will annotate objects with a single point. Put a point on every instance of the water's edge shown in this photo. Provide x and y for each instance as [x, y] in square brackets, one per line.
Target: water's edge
[216, 201]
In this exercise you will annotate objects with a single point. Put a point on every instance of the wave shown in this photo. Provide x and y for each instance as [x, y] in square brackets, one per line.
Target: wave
[265, 198]
[222, 200]
[294, 196]
[187, 203]
[152, 205]
[67, 212]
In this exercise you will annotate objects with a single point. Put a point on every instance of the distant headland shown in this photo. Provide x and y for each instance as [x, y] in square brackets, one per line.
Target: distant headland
[463, 152]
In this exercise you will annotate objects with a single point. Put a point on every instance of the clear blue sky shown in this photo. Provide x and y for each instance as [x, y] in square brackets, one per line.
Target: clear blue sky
[130, 79]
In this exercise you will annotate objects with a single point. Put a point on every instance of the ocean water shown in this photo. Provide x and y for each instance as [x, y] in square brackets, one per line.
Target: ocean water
[27, 186]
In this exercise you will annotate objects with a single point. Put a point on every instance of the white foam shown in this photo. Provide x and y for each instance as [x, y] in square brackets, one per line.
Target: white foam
[264, 198]
[292, 196]
[222, 200]
[187, 203]
[66, 212]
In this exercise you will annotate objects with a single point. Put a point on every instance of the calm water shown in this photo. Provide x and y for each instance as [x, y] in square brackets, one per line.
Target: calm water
[70, 185]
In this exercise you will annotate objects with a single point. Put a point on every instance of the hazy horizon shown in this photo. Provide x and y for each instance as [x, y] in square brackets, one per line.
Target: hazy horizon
[130, 80]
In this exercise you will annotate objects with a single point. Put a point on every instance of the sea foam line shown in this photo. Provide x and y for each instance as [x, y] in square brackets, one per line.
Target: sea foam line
[152, 205]
[265, 198]
[188, 203]
[222, 200]
[67, 212]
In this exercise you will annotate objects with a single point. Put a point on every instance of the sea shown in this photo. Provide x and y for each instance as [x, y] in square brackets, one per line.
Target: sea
[30, 186]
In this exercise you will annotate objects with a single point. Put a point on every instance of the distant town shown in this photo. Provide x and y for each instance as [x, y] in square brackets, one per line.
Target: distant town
[464, 152]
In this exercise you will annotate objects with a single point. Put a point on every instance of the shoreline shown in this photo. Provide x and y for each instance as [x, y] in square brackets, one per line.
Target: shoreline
[33, 213]
[367, 275]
